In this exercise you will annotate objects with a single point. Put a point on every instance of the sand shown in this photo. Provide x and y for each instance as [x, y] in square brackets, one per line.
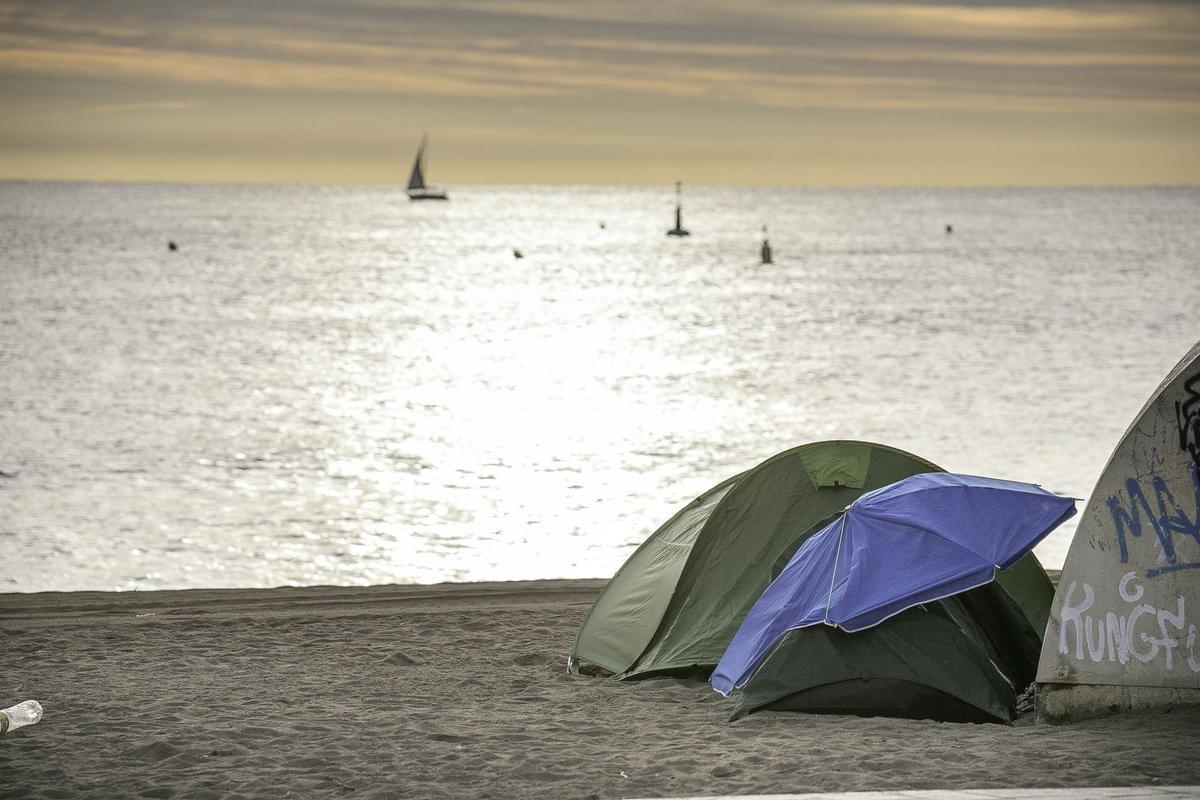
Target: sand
[459, 691]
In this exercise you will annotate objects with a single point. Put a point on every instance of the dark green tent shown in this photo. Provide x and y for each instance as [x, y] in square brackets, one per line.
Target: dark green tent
[961, 659]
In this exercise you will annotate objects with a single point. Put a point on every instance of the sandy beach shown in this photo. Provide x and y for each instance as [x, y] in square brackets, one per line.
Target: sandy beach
[460, 690]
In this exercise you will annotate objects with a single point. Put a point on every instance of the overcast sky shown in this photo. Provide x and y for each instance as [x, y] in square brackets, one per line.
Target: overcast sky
[746, 93]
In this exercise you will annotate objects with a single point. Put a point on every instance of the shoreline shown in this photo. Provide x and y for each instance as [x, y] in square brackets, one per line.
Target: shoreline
[461, 690]
[23, 609]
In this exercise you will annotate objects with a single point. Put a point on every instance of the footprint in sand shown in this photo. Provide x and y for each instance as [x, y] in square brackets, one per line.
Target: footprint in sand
[400, 659]
[533, 659]
[155, 751]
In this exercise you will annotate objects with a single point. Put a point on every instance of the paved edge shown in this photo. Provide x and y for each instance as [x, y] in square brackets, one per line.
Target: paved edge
[1058, 793]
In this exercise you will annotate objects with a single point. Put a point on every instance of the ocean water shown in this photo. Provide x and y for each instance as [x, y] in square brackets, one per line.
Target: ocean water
[338, 386]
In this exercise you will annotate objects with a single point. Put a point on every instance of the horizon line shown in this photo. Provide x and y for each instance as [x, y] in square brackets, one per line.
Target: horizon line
[400, 185]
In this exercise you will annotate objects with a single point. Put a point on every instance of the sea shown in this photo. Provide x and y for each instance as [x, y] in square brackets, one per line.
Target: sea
[335, 385]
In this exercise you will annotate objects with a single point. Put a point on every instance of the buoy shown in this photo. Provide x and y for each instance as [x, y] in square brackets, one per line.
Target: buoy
[766, 248]
[602, 226]
[172, 246]
[678, 230]
[518, 254]
[949, 229]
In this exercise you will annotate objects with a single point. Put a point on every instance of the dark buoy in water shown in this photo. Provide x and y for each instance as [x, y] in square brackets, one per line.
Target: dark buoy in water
[766, 248]
[518, 254]
[678, 230]
[602, 226]
[172, 246]
[949, 229]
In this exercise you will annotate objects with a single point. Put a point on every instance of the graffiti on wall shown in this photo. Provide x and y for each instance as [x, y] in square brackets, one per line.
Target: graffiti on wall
[1187, 417]
[1127, 610]
[1166, 517]
[1137, 632]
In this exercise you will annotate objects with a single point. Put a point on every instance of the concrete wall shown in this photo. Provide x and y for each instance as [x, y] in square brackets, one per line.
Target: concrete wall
[1127, 609]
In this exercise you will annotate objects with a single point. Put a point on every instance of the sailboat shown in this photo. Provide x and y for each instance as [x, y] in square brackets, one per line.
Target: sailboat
[417, 190]
[678, 230]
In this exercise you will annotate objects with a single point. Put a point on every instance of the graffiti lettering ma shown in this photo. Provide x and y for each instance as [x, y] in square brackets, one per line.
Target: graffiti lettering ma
[1167, 521]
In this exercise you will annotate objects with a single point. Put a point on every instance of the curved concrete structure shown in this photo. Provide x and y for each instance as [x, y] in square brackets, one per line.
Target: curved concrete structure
[1124, 627]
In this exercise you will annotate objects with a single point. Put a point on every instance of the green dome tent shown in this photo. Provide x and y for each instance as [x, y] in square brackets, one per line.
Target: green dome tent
[678, 600]
[960, 659]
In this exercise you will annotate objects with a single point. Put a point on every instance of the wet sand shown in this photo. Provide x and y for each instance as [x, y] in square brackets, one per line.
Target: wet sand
[460, 690]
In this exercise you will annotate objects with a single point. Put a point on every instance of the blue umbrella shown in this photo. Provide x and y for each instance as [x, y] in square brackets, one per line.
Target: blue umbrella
[920, 539]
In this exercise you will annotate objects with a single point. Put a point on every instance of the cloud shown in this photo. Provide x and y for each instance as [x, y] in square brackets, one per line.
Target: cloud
[152, 105]
[1048, 57]
[248, 71]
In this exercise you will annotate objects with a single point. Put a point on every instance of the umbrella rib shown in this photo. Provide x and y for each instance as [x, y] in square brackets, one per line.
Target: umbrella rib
[836, 556]
[914, 605]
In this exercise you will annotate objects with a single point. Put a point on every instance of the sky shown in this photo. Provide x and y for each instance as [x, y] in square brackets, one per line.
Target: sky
[751, 93]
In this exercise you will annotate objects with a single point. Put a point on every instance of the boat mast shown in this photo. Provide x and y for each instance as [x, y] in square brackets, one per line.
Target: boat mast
[678, 205]
[678, 230]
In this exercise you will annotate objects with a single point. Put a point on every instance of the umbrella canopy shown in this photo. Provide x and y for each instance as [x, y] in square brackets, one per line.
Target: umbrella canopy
[920, 539]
